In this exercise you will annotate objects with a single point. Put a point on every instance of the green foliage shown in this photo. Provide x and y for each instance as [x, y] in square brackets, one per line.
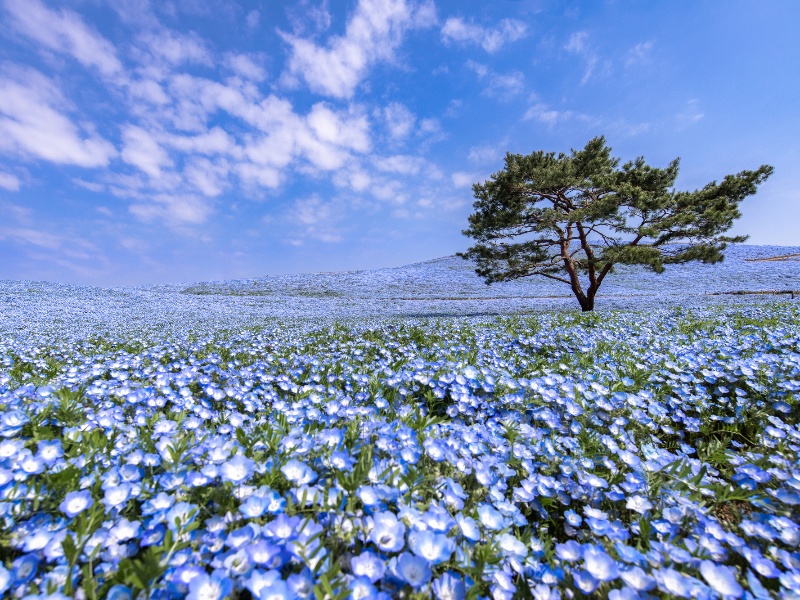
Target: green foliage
[578, 215]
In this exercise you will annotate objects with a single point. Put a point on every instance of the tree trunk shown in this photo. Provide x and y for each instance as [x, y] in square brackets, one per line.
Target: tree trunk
[587, 303]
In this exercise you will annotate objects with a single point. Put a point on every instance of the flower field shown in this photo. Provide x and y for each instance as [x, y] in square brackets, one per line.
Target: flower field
[630, 453]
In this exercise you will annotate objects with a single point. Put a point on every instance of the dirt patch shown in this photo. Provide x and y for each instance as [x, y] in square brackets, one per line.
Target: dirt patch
[774, 258]
[756, 292]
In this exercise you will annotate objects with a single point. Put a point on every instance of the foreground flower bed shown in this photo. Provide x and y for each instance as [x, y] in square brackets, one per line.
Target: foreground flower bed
[619, 455]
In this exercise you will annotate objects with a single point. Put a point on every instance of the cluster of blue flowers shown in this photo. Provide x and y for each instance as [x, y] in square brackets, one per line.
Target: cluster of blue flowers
[623, 455]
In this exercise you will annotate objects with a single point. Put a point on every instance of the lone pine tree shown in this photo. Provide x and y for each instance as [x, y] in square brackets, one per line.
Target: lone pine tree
[573, 217]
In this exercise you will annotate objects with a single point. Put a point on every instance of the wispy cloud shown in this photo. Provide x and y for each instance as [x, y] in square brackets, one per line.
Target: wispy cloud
[9, 182]
[399, 120]
[176, 48]
[373, 34]
[579, 44]
[491, 153]
[499, 85]
[690, 114]
[64, 31]
[316, 219]
[462, 179]
[639, 54]
[67, 251]
[491, 39]
[33, 123]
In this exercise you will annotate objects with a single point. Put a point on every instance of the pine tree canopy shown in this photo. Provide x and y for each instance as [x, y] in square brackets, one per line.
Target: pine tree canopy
[573, 217]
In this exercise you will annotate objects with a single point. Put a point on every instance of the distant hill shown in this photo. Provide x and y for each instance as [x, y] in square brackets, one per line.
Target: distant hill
[746, 268]
[443, 287]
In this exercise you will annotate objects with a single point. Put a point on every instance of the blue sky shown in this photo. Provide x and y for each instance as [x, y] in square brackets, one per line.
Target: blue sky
[186, 140]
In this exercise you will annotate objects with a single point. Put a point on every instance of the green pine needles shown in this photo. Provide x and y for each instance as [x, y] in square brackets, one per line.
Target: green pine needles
[573, 217]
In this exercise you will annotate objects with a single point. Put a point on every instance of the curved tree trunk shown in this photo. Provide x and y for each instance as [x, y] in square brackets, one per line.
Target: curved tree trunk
[587, 303]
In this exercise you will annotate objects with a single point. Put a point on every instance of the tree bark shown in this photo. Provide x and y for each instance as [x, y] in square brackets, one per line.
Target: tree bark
[587, 303]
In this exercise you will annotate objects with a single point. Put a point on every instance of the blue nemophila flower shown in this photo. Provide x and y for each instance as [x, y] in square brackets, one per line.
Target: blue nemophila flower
[573, 518]
[238, 538]
[362, 588]
[158, 504]
[436, 548]
[49, 451]
[584, 581]
[636, 578]
[491, 518]
[569, 551]
[600, 564]
[181, 514]
[469, 528]
[414, 570]
[511, 546]
[119, 592]
[36, 540]
[153, 535]
[387, 532]
[5, 579]
[722, 578]
[210, 587]
[283, 528]
[254, 507]
[75, 503]
[278, 590]
[673, 582]
[238, 469]
[261, 580]
[449, 586]
[264, 553]
[24, 568]
[369, 565]
[117, 496]
[182, 576]
[298, 472]
[125, 530]
[639, 504]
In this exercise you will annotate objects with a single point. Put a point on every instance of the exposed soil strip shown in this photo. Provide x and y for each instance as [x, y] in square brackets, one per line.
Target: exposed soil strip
[755, 292]
[773, 258]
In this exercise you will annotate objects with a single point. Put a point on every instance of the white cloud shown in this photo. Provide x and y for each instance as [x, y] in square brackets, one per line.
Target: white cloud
[64, 31]
[373, 33]
[639, 54]
[208, 177]
[354, 178]
[399, 120]
[141, 150]
[309, 17]
[430, 126]
[487, 154]
[177, 48]
[213, 141]
[462, 179]
[253, 18]
[319, 220]
[691, 114]
[490, 39]
[348, 131]
[9, 182]
[31, 124]
[148, 90]
[544, 114]
[401, 164]
[247, 66]
[175, 210]
[60, 249]
[578, 44]
[20, 214]
[500, 85]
